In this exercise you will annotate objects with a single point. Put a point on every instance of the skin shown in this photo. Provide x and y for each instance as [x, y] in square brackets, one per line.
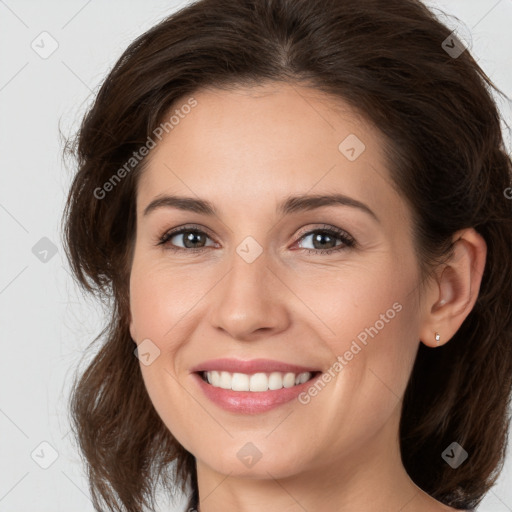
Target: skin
[245, 151]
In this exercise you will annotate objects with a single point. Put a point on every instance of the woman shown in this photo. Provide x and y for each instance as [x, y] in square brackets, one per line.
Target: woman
[299, 212]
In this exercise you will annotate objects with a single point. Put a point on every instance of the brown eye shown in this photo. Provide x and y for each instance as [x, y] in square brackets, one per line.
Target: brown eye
[328, 240]
[185, 239]
[190, 239]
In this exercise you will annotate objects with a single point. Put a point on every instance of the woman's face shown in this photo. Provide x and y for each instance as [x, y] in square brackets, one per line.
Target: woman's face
[320, 287]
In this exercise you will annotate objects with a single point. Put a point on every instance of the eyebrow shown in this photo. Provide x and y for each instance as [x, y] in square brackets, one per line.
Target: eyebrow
[291, 205]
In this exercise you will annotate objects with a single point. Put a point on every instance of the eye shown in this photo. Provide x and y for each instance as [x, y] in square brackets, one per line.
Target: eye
[193, 239]
[324, 240]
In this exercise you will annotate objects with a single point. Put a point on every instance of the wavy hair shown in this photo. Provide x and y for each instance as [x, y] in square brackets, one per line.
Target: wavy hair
[446, 156]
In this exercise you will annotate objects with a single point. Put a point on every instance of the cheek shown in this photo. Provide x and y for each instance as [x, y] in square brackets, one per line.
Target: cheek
[375, 327]
[159, 307]
[147, 305]
[374, 301]
[375, 343]
[159, 298]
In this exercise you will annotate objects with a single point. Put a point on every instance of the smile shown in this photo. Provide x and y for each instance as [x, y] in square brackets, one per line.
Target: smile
[257, 382]
[252, 387]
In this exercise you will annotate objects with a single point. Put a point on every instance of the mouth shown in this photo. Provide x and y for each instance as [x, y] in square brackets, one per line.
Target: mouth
[256, 382]
[253, 386]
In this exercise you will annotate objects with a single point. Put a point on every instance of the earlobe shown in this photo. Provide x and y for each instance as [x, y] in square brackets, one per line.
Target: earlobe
[455, 291]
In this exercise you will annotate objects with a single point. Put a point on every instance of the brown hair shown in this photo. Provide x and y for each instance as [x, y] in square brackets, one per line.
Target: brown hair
[445, 153]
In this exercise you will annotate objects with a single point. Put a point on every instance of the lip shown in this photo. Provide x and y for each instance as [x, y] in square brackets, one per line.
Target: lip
[250, 367]
[251, 402]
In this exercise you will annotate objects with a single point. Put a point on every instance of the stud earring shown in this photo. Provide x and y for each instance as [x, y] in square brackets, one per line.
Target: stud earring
[437, 338]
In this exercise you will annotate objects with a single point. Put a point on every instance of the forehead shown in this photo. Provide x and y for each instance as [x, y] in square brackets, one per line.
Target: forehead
[267, 142]
[287, 120]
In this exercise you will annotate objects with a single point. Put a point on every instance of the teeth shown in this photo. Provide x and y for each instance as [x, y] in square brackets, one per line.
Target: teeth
[256, 381]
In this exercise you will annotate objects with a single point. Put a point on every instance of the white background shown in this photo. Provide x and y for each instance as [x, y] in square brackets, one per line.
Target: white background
[45, 322]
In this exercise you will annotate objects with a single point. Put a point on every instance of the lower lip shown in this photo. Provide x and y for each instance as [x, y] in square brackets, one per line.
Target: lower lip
[251, 402]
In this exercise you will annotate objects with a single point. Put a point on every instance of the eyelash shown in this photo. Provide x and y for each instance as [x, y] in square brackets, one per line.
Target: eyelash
[348, 242]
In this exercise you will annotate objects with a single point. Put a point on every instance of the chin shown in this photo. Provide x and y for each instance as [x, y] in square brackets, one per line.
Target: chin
[258, 460]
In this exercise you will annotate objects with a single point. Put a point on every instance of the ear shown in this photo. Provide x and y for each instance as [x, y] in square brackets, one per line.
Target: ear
[455, 289]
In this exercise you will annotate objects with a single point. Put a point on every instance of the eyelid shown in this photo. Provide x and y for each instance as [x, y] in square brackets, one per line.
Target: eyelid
[348, 243]
[329, 228]
[186, 227]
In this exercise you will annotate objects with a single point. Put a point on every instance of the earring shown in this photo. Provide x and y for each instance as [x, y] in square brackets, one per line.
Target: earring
[437, 338]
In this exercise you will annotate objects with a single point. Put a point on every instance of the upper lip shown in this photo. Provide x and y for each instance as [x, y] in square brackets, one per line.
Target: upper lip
[251, 366]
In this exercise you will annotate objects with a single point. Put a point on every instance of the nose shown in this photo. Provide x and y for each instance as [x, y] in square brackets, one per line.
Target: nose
[251, 301]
